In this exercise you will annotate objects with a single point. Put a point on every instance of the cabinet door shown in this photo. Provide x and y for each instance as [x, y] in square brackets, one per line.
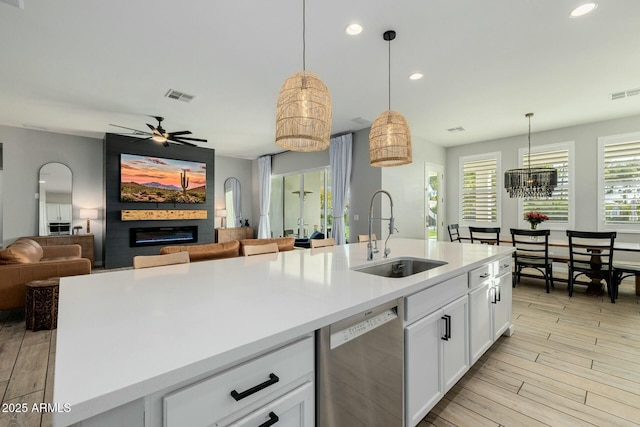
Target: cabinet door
[53, 212]
[480, 330]
[423, 356]
[456, 347]
[294, 409]
[65, 212]
[502, 307]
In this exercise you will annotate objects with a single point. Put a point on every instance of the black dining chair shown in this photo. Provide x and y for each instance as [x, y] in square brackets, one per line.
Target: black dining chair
[488, 235]
[623, 269]
[454, 233]
[591, 254]
[532, 251]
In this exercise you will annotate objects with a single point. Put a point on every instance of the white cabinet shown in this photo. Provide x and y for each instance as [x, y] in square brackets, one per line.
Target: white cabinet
[59, 212]
[278, 385]
[436, 357]
[489, 305]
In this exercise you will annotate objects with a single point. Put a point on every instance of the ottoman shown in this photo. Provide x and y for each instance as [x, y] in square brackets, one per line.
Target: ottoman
[41, 310]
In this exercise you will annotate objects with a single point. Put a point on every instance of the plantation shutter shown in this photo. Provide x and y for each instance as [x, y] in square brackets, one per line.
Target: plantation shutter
[555, 207]
[622, 183]
[479, 191]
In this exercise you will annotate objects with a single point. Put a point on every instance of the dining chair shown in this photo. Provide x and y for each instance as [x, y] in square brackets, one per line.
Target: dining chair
[454, 233]
[622, 270]
[320, 243]
[365, 237]
[532, 251]
[591, 254]
[488, 235]
[144, 261]
[268, 248]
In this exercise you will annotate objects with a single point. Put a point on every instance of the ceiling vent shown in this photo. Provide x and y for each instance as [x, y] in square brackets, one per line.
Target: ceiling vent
[361, 121]
[179, 96]
[16, 3]
[625, 94]
[456, 129]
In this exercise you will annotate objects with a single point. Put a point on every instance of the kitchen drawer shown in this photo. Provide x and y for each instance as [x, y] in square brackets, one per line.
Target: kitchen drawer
[503, 266]
[294, 409]
[210, 400]
[479, 275]
[433, 298]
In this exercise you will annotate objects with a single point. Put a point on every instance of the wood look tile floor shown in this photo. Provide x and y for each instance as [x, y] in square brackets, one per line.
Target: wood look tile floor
[571, 362]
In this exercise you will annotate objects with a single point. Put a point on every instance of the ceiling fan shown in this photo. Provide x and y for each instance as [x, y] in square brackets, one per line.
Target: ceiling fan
[158, 134]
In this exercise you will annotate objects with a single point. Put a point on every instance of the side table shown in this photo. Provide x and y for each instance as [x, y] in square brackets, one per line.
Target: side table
[41, 309]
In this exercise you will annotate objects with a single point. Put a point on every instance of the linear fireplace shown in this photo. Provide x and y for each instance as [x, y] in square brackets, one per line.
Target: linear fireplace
[150, 236]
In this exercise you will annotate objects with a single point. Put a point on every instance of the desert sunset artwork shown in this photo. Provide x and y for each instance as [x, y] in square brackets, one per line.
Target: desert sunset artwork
[161, 180]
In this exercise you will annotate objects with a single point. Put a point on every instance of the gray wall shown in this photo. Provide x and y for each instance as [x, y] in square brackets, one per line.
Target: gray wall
[24, 152]
[586, 166]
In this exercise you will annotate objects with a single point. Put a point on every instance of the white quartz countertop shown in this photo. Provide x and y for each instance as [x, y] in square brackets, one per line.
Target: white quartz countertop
[125, 334]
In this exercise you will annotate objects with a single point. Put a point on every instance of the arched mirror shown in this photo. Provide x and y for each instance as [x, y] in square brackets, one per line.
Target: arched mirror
[233, 201]
[55, 207]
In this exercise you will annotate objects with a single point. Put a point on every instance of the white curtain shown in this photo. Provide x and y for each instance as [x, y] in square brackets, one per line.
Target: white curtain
[264, 184]
[340, 163]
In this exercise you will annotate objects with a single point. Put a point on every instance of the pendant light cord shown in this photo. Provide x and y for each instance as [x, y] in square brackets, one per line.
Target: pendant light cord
[529, 156]
[389, 75]
[304, 45]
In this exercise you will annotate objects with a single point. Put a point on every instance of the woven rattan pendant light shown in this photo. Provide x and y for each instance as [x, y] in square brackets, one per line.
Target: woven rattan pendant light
[390, 137]
[303, 116]
[530, 182]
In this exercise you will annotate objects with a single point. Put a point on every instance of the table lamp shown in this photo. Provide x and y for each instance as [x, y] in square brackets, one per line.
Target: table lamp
[222, 214]
[89, 214]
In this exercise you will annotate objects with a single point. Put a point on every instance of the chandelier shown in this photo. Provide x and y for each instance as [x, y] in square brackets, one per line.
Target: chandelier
[530, 183]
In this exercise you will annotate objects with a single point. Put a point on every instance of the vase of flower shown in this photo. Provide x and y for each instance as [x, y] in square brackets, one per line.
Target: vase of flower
[535, 218]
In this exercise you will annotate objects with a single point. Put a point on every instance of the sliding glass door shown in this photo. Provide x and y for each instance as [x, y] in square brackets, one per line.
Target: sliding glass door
[301, 204]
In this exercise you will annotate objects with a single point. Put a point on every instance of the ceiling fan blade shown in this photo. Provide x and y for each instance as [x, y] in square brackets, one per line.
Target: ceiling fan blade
[135, 130]
[153, 128]
[181, 142]
[192, 139]
[182, 132]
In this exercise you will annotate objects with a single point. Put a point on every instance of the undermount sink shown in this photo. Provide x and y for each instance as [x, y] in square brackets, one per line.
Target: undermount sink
[401, 267]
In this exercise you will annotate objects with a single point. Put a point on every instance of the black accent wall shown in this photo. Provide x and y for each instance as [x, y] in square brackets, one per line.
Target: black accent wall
[117, 251]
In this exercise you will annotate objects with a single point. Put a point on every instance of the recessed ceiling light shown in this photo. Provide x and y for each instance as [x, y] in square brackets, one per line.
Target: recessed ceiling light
[416, 76]
[583, 9]
[354, 29]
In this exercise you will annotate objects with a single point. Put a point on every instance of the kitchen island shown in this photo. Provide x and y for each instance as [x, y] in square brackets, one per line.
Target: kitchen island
[128, 338]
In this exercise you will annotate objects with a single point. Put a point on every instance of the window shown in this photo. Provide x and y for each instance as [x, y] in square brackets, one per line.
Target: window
[558, 207]
[480, 196]
[619, 182]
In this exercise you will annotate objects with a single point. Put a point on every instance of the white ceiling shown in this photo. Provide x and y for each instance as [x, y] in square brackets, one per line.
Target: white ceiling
[75, 66]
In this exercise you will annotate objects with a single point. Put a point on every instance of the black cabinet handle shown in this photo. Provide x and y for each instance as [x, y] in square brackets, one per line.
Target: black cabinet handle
[494, 296]
[448, 326]
[445, 337]
[273, 378]
[273, 418]
[498, 292]
[485, 275]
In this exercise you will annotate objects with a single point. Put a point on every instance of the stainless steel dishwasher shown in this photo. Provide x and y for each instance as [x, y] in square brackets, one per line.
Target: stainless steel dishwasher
[359, 369]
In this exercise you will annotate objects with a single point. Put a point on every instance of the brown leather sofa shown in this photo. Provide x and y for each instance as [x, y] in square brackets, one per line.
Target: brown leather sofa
[230, 249]
[25, 260]
[284, 243]
[206, 251]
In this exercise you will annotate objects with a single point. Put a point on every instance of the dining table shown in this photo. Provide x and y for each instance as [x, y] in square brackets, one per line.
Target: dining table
[595, 286]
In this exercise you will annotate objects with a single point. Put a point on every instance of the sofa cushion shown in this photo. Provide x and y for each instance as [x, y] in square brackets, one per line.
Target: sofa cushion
[22, 251]
[206, 251]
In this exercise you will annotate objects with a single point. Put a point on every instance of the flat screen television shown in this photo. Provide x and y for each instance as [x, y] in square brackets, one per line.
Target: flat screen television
[160, 180]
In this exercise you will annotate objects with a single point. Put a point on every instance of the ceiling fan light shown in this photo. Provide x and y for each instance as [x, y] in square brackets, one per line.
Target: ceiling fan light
[303, 114]
[159, 138]
[390, 140]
